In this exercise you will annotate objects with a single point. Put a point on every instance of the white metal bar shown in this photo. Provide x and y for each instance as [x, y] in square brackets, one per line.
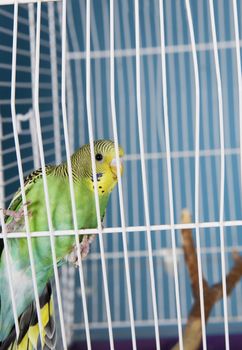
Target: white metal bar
[44, 114]
[54, 81]
[238, 62]
[107, 126]
[148, 323]
[167, 141]
[8, 14]
[197, 171]
[90, 132]
[239, 76]
[20, 169]
[9, 32]
[95, 285]
[69, 90]
[144, 178]
[185, 74]
[9, 273]
[147, 156]
[19, 67]
[11, 2]
[23, 36]
[24, 85]
[208, 125]
[36, 157]
[120, 189]
[172, 49]
[151, 127]
[21, 52]
[2, 188]
[149, 105]
[143, 254]
[45, 185]
[68, 280]
[73, 204]
[70, 83]
[78, 70]
[49, 153]
[117, 290]
[70, 104]
[221, 132]
[229, 72]
[162, 253]
[12, 180]
[153, 228]
[174, 107]
[70, 87]
[175, 110]
[126, 99]
[13, 164]
[45, 129]
[98, 74]
[25, 21]
[163, 179]
[24, 146]
[184, 154]
[24, 101]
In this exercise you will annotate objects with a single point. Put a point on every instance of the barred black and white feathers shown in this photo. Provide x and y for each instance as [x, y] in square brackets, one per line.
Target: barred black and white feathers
[29, 337]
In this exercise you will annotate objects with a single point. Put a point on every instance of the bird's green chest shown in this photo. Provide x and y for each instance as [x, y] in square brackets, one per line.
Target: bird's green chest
[61, 217]
[61, 206]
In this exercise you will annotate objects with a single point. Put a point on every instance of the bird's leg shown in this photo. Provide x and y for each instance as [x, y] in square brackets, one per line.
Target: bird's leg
[84, 247]
[85, 243]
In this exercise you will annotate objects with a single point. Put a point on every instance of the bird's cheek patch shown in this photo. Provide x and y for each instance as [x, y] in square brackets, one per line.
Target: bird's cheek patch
[99, 175]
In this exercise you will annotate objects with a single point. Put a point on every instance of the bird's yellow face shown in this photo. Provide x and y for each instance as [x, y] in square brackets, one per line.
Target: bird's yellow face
[106, 166]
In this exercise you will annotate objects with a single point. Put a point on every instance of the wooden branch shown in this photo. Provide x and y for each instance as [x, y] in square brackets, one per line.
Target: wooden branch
[191, 255]
[193, 331]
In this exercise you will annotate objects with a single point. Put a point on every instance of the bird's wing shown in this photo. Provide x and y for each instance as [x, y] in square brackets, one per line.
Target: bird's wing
[28, 183]
[28, 324]
[16, 202]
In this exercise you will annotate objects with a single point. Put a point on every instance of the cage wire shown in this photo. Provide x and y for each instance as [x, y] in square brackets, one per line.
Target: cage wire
[163, 79]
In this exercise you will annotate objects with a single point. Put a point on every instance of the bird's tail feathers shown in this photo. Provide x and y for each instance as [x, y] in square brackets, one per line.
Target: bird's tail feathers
[29, 338]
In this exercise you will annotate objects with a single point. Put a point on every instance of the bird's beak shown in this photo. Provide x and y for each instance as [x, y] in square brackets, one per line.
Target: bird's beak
[114, 165]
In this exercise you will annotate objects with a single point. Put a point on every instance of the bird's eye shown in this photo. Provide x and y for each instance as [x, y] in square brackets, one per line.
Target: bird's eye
[99, 157]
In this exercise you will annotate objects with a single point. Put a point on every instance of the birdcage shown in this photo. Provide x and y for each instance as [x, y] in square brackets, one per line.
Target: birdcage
[162, 79]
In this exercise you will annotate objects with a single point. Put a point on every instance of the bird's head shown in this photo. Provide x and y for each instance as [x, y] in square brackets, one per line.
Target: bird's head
[106, 165]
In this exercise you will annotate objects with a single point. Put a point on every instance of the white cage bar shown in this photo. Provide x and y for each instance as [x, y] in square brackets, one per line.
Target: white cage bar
[196, 74]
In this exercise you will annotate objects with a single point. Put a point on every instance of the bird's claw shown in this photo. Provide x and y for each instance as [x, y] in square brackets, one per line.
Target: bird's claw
[84, 248]
[17, 215]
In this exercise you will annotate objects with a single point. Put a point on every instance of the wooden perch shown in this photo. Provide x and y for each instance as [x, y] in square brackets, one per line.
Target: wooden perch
[192, 334]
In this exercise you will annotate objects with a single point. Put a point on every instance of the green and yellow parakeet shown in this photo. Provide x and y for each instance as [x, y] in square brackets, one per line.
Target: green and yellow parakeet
[61, 214]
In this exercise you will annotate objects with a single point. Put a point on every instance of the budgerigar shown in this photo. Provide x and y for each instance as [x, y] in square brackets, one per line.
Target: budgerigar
[61, 215]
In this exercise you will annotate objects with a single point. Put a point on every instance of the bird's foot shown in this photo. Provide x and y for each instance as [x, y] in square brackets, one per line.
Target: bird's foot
[17, 215]
[84, 248]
